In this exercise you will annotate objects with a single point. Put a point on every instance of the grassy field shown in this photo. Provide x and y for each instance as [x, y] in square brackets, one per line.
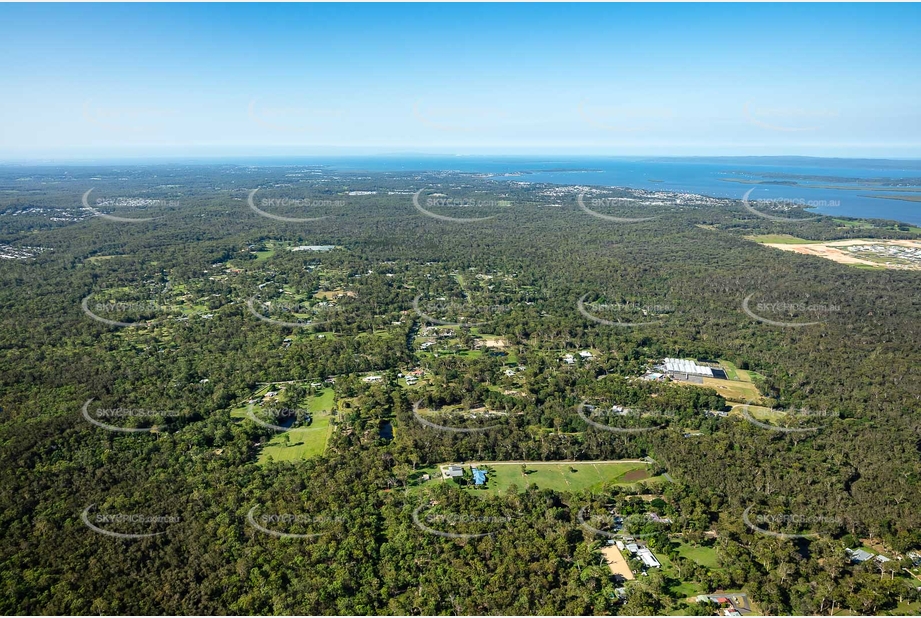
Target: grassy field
[759, 413]
[302, 442]
[704, 556]
[733, 390]
[781, 239]
[557, 476]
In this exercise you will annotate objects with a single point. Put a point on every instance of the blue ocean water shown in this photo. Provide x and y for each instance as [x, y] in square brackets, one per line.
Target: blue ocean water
[706, 176]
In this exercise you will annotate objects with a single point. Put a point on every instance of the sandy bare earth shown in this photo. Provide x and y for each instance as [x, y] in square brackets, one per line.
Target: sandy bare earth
[831, 251]
[617, 562]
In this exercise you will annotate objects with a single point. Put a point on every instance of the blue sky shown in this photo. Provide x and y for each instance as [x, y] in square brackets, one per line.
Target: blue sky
[811, 79]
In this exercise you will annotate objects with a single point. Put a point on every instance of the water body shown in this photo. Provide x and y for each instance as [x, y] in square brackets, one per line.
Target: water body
[711, 176]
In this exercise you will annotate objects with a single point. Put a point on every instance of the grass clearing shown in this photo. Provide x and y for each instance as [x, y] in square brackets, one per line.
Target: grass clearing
[555, 475]
[702, 555]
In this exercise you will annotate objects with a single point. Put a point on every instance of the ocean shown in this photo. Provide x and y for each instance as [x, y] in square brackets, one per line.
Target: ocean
[836, 187]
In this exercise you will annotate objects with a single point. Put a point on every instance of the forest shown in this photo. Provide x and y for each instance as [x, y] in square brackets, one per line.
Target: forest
[207, 299]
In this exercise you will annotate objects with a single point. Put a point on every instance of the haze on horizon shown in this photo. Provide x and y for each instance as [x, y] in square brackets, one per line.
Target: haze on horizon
[259, 80]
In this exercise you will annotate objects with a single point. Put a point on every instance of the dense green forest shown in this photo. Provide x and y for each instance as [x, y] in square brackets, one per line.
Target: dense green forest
[190, 352]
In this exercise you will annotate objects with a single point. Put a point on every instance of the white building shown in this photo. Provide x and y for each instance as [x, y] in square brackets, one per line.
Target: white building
[683, 365]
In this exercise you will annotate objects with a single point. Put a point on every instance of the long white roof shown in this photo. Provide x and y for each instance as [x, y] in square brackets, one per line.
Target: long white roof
[683, 365]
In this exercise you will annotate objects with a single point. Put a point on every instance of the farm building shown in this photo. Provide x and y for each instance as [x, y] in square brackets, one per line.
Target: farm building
[687, 367]
[452, 472]
[647, 557]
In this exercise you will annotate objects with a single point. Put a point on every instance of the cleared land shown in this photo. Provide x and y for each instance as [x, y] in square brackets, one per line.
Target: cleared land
[617, 562]
[738, 388]
[834, 250]
[302, 442]
[569, 476]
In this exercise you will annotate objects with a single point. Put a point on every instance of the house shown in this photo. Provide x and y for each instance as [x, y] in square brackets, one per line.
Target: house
[648, 558]
[731, 612]
[568, 359]
[510, 372]
[451, 472]
[479, 476]
[372, 379]
[858, 555]
[585, 354]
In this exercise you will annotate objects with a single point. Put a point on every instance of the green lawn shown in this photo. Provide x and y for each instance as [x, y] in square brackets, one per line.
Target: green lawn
[303, 442]
[556, 476]
[730, 368]
[704, 556]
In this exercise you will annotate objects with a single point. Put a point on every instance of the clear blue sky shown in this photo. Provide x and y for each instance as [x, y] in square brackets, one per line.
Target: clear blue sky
[816, 79]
